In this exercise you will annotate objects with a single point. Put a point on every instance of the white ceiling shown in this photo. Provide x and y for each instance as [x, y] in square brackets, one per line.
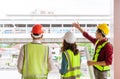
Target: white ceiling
[81, 7]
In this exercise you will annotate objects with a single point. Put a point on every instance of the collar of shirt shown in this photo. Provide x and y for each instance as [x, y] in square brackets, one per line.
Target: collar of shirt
[36, 41]
[103, 40]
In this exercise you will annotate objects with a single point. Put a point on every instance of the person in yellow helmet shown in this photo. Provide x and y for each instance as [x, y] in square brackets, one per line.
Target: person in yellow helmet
[34, 60]
[102, 58]
[70, 67]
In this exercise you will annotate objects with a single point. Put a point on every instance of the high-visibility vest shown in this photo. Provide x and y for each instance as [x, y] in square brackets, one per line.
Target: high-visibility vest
[98, 49]
[35, 61]
[73, 70]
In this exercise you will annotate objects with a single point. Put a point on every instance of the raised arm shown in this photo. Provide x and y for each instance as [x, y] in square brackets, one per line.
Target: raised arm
[77, 25]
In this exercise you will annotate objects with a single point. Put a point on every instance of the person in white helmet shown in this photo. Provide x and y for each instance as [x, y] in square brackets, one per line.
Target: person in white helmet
[70, 66]
[34, 60]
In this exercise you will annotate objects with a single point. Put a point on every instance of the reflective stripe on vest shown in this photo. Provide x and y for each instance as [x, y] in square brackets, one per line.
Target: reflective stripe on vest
[73, 70]
[35, 61]
[101, 68]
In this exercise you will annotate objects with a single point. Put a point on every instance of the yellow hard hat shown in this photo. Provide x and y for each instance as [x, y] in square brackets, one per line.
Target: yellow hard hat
[104, 28]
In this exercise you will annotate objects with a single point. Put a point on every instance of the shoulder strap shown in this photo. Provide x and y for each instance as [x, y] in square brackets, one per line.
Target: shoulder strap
[98, 50]
[101, 46]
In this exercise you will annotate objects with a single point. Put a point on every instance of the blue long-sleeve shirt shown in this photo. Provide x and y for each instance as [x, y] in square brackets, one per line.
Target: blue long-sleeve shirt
[64, 64]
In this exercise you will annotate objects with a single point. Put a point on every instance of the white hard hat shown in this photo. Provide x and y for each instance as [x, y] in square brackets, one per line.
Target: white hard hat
[69, 37]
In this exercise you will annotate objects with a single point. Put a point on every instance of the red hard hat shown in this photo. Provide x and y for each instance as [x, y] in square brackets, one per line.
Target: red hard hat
[37, 29]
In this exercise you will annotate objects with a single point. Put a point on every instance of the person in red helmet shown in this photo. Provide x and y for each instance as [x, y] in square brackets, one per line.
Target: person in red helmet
[34, 61]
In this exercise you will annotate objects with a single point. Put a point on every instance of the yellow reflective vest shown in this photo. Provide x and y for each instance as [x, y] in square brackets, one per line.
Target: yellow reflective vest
[35, 61]
[101, 68]
[73, 70]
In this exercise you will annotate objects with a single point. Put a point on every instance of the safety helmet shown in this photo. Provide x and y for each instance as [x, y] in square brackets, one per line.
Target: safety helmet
[104, 28]
[37, 29]
[69, 37]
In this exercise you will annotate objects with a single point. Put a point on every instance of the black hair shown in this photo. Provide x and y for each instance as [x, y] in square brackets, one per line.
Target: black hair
[100, 31]
[36, 34]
